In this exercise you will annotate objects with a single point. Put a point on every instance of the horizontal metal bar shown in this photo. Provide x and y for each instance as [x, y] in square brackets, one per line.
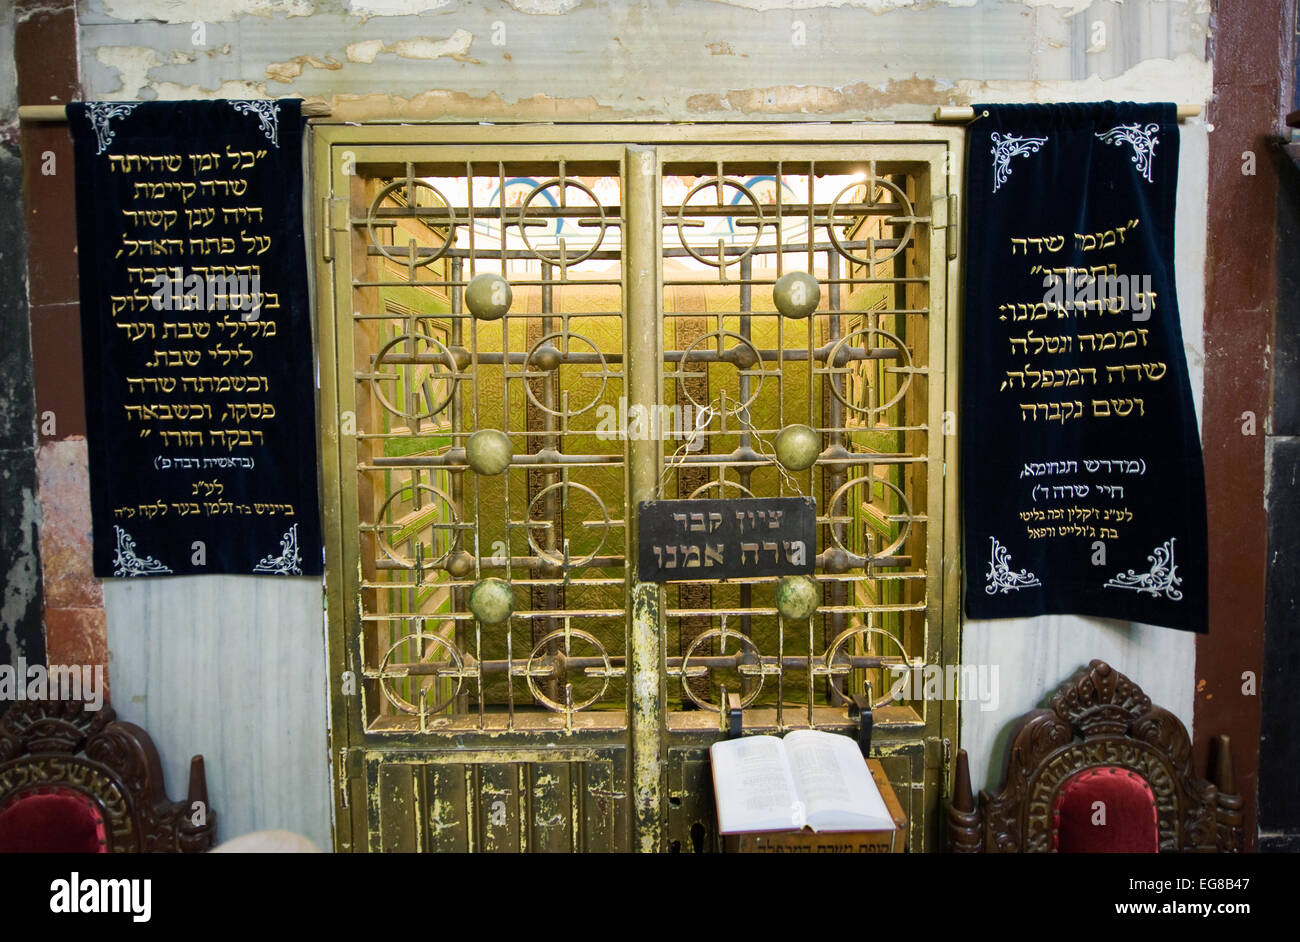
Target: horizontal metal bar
[551, 665]
[616, 613]
[521, 562]
[615, 254]
[491, 563]
[575, 357]
[749, 457]
[587, 282]
[479, 738]
[613, 213]
[619, 613]
[547, 459]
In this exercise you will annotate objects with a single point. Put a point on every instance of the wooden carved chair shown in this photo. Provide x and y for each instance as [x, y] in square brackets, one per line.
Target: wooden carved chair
[76, 780]
[1102, 771]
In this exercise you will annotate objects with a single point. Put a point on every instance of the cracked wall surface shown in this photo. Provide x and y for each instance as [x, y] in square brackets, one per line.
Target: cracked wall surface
[569, 60]
[21, 634]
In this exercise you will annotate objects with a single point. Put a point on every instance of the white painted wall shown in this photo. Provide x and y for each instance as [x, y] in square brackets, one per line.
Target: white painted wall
[232, 668]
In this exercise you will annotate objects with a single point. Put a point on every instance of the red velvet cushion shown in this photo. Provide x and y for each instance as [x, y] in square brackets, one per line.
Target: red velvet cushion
[51, 821]
[1130, 814]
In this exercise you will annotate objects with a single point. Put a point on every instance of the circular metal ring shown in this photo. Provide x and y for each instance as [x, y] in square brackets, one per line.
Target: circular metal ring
[833, 357]
[870, 183]
[870, 479]
[391, 552]
[719, 185]
[563, 184]
[451, 378]
[415, 183]
[722, 634]
[847, 635]
[722, 488]
[401, 703]
[604, 372]
[538, 651]
[756, 369]
[559, 560]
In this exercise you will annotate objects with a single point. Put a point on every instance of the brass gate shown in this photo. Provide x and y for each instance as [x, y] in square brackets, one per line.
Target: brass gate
[526, 330]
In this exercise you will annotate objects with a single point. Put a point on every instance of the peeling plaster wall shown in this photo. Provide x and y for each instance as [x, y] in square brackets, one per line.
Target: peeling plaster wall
[20, 571]
[565, 60]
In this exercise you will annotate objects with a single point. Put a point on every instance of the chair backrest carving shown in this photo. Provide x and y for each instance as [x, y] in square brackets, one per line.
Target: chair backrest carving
[64, 745]
[1100, 718]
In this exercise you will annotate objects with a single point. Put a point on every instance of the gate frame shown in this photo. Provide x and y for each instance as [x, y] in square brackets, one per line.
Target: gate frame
[355, 755]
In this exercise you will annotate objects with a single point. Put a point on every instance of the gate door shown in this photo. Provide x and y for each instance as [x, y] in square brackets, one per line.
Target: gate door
[529, 331]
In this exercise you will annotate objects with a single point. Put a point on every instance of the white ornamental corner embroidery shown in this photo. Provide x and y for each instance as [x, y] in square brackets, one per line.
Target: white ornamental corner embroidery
[1001, 577]
[1162, 579]
[1143, 140]
[268, 116]
[1006, 146]
[100, 114]
[288, 562]
[127, 563]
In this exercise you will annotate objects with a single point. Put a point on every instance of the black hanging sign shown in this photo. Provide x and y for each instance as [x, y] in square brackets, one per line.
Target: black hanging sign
[200, 391]
[693, 540]
[1083, 487]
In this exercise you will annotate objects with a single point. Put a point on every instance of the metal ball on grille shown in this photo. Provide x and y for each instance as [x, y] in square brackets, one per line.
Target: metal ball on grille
[460, 564]
[545, 358]
[491, 601]
[837, 560]
[488, 296]
[488, 451]
[460, 358]
[797, 447]
[796, 294]
[796, 597]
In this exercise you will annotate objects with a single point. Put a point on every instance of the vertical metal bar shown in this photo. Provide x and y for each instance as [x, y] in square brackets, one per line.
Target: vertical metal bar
[544, 433]
[834, 477]
[456, 477]
[746, 306]
[647, 689]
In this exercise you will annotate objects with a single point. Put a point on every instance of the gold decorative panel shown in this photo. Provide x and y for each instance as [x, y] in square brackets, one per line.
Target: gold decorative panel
[527, 331]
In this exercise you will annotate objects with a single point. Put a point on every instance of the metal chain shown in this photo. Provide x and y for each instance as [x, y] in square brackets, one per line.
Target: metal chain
[678, 457]
[770, 454]
[762, 446]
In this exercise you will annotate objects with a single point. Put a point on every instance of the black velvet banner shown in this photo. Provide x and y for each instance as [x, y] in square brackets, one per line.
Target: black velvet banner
[196, 338]
[1083, 487]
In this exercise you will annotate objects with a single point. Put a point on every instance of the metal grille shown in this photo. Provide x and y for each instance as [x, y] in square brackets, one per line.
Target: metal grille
[640, 274]
[429, 374]
[856, 371]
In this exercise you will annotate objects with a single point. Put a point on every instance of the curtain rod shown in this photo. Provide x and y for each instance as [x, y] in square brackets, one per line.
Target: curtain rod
[54, 114]
[960, 113]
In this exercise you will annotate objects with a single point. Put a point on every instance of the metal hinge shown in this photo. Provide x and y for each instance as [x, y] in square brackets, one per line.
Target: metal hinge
[334, 219]
[945, 788]
[350, 767]
[950, 233]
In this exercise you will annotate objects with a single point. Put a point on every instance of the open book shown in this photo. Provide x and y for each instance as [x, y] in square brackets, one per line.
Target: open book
[810, 778]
